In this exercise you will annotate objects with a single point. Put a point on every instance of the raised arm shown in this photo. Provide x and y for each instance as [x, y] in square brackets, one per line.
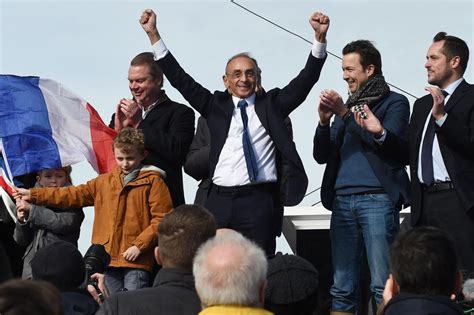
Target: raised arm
[148, 23]
[293, 94]
[197, 96]
[320, 23]
[65, 197]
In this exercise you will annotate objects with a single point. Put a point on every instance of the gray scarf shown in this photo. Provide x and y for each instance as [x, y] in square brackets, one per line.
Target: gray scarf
[373, 91]
[132, 175]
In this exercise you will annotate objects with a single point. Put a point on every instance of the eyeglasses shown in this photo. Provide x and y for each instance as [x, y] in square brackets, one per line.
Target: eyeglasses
[237, 74]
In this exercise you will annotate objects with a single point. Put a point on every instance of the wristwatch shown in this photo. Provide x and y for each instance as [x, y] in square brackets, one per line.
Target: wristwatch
[380, 135]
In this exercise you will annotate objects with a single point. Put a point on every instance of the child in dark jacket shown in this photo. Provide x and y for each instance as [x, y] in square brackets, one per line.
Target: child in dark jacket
[39, 226]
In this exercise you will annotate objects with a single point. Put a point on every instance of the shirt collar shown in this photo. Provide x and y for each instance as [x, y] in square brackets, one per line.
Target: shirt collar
[162, 98]
[250, 100]
[452, 87]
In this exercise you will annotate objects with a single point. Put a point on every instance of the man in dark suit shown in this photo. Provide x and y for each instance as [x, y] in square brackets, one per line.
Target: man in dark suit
[196, 163]
[168, 126]
[442, 167]
[247, 133]
[364, 188]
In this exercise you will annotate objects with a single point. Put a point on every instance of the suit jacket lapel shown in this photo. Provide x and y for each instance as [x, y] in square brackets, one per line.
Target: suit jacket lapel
[261, 112]
[228, 110]
[218, 121]
[262, 116]
[457, 95]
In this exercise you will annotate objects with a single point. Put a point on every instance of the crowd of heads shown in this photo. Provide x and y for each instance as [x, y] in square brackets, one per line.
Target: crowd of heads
[232, 270]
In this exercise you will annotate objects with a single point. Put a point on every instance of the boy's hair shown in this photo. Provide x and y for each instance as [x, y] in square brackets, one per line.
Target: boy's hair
[181, 232]
[66, 169]
[423, 261]
[130, 139]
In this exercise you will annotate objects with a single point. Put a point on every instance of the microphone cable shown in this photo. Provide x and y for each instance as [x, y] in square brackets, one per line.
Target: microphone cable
[304, 39]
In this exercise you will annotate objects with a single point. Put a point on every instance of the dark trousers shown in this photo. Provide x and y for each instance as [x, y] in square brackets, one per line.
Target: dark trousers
[249, 210]
[443, 209]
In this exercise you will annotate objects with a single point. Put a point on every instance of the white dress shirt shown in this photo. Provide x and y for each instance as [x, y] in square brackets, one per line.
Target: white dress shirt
[231, 168]
[439, 169]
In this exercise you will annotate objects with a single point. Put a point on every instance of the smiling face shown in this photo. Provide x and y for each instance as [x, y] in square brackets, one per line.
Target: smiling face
[128, 160]
[241, 77]
[354, 73]
[144, 87]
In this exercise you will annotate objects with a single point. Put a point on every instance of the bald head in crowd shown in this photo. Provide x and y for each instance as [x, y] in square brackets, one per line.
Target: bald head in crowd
[230, 270]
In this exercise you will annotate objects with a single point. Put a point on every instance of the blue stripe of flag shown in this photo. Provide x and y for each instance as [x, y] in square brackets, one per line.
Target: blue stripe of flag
[25, 128]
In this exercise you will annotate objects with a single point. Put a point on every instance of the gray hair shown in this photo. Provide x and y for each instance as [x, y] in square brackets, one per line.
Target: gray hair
[230, 270]
[245, 55]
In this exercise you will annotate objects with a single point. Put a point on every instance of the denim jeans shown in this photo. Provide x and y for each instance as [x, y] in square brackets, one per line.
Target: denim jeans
[117, 279]
[368, 220]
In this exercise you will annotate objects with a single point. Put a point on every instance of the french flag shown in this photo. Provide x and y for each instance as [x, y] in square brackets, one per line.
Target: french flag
[45, 125]
[6, 192]
[5, 182]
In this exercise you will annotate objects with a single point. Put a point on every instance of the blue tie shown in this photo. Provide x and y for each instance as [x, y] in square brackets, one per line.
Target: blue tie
[427, 172]
[247, 144]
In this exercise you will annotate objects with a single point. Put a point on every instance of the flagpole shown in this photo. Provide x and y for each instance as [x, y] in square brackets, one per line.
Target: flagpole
[7, 166]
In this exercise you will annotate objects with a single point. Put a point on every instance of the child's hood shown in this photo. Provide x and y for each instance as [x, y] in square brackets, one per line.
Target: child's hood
[151, 168]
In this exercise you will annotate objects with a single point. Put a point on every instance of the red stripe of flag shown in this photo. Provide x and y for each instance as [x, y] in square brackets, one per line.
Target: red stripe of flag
[102, 140]
[6, 186]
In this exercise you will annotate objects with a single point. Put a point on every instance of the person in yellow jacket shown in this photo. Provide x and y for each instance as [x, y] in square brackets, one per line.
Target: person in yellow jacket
[129, 202]
[230, 274]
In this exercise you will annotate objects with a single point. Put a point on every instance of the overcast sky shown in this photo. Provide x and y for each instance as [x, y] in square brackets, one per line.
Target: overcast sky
[87, 46]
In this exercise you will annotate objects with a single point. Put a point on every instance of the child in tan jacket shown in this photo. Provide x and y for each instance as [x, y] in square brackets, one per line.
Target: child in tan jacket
[129, 202]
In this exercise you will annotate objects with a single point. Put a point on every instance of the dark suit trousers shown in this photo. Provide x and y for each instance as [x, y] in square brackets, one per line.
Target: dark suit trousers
[444, 210]
[247, 209]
